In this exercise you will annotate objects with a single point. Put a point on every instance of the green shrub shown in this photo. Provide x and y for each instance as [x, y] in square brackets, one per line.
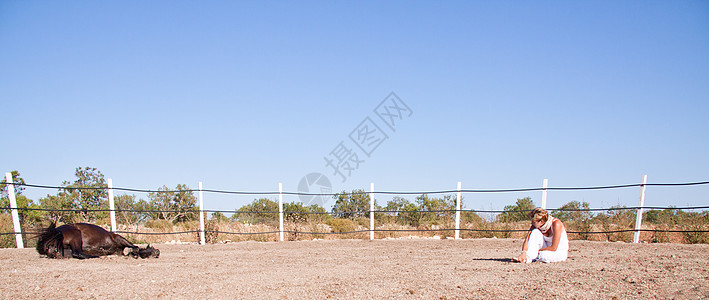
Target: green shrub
[159, 225]
[517, 212]
[342, 225]
[696, 222]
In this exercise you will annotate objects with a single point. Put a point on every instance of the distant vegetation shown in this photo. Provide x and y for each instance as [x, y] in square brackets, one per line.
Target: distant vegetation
[85, 199]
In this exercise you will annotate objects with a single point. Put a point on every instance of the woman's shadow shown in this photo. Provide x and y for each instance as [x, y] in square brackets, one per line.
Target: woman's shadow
[506, 260]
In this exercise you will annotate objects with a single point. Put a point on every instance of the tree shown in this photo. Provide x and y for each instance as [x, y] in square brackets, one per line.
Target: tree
[621, 216]
[614, 219]
[406, 213]
[59, 208]
[78, 201]
[411, 214]
[440, 209]
[26, 207]
[16, 180]
[88, 192]
[517, 212]
[573, 211]
[667, 217]
[265, 210]
[178, 205]
[351, 205]
[395, 205]
[261, 210]
[129, 211]
[219, 217]
[186, 203]
[295, 212]
[578, 216]
[161, 202]
[321, 214]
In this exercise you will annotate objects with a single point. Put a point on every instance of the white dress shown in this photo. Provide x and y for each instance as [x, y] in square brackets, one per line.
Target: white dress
[537, 241]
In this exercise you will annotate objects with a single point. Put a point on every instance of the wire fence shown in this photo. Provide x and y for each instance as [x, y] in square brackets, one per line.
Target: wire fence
[434, 192]
[375, 230]
[393, 213]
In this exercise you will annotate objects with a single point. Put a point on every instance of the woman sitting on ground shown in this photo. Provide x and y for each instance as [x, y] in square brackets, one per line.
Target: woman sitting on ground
[546, 240]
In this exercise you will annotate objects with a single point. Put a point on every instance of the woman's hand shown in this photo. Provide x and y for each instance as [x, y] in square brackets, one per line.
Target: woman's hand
[522, 257]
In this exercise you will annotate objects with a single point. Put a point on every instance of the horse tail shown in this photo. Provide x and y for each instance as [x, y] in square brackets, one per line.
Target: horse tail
[50, 241]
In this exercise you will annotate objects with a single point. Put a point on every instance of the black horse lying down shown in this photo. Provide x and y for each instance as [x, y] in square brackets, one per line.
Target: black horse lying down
[83, 240]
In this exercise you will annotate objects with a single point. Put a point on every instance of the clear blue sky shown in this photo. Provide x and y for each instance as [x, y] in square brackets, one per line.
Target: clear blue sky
[244, 95]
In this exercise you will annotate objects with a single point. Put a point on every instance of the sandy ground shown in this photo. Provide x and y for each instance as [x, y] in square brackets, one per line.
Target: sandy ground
[418, 268]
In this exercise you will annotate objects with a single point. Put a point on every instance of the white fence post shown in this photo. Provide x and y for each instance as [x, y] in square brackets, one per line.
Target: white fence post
[639, 216]
[201, 215]
[280, 210]
[457, 212]
[544, 193]
[111, 204]
[371, 211]
[13, 210]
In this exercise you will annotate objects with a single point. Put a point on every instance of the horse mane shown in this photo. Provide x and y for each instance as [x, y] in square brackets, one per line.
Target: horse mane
[49, 237]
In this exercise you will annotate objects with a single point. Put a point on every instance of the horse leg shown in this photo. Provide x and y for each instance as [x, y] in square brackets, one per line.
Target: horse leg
[78, 253]
[55, 248]
[59, 246]
[122, 243]
[73, 239]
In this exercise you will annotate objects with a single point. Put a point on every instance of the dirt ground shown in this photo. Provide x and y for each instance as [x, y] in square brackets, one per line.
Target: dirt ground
[401, 268]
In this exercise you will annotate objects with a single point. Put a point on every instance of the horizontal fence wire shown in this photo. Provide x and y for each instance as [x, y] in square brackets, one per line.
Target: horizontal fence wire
[380, 230]
[356, 211]
[374, 192]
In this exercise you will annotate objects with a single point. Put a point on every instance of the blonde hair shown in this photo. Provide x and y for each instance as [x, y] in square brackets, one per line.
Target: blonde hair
[539, 214]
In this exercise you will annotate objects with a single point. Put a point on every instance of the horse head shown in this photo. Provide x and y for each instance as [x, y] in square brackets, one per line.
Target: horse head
[50, 242]
[147, 252]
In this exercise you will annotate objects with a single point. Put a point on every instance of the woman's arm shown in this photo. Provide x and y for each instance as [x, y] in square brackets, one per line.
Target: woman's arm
[523, 256]
[557, 228]
[526, 239]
